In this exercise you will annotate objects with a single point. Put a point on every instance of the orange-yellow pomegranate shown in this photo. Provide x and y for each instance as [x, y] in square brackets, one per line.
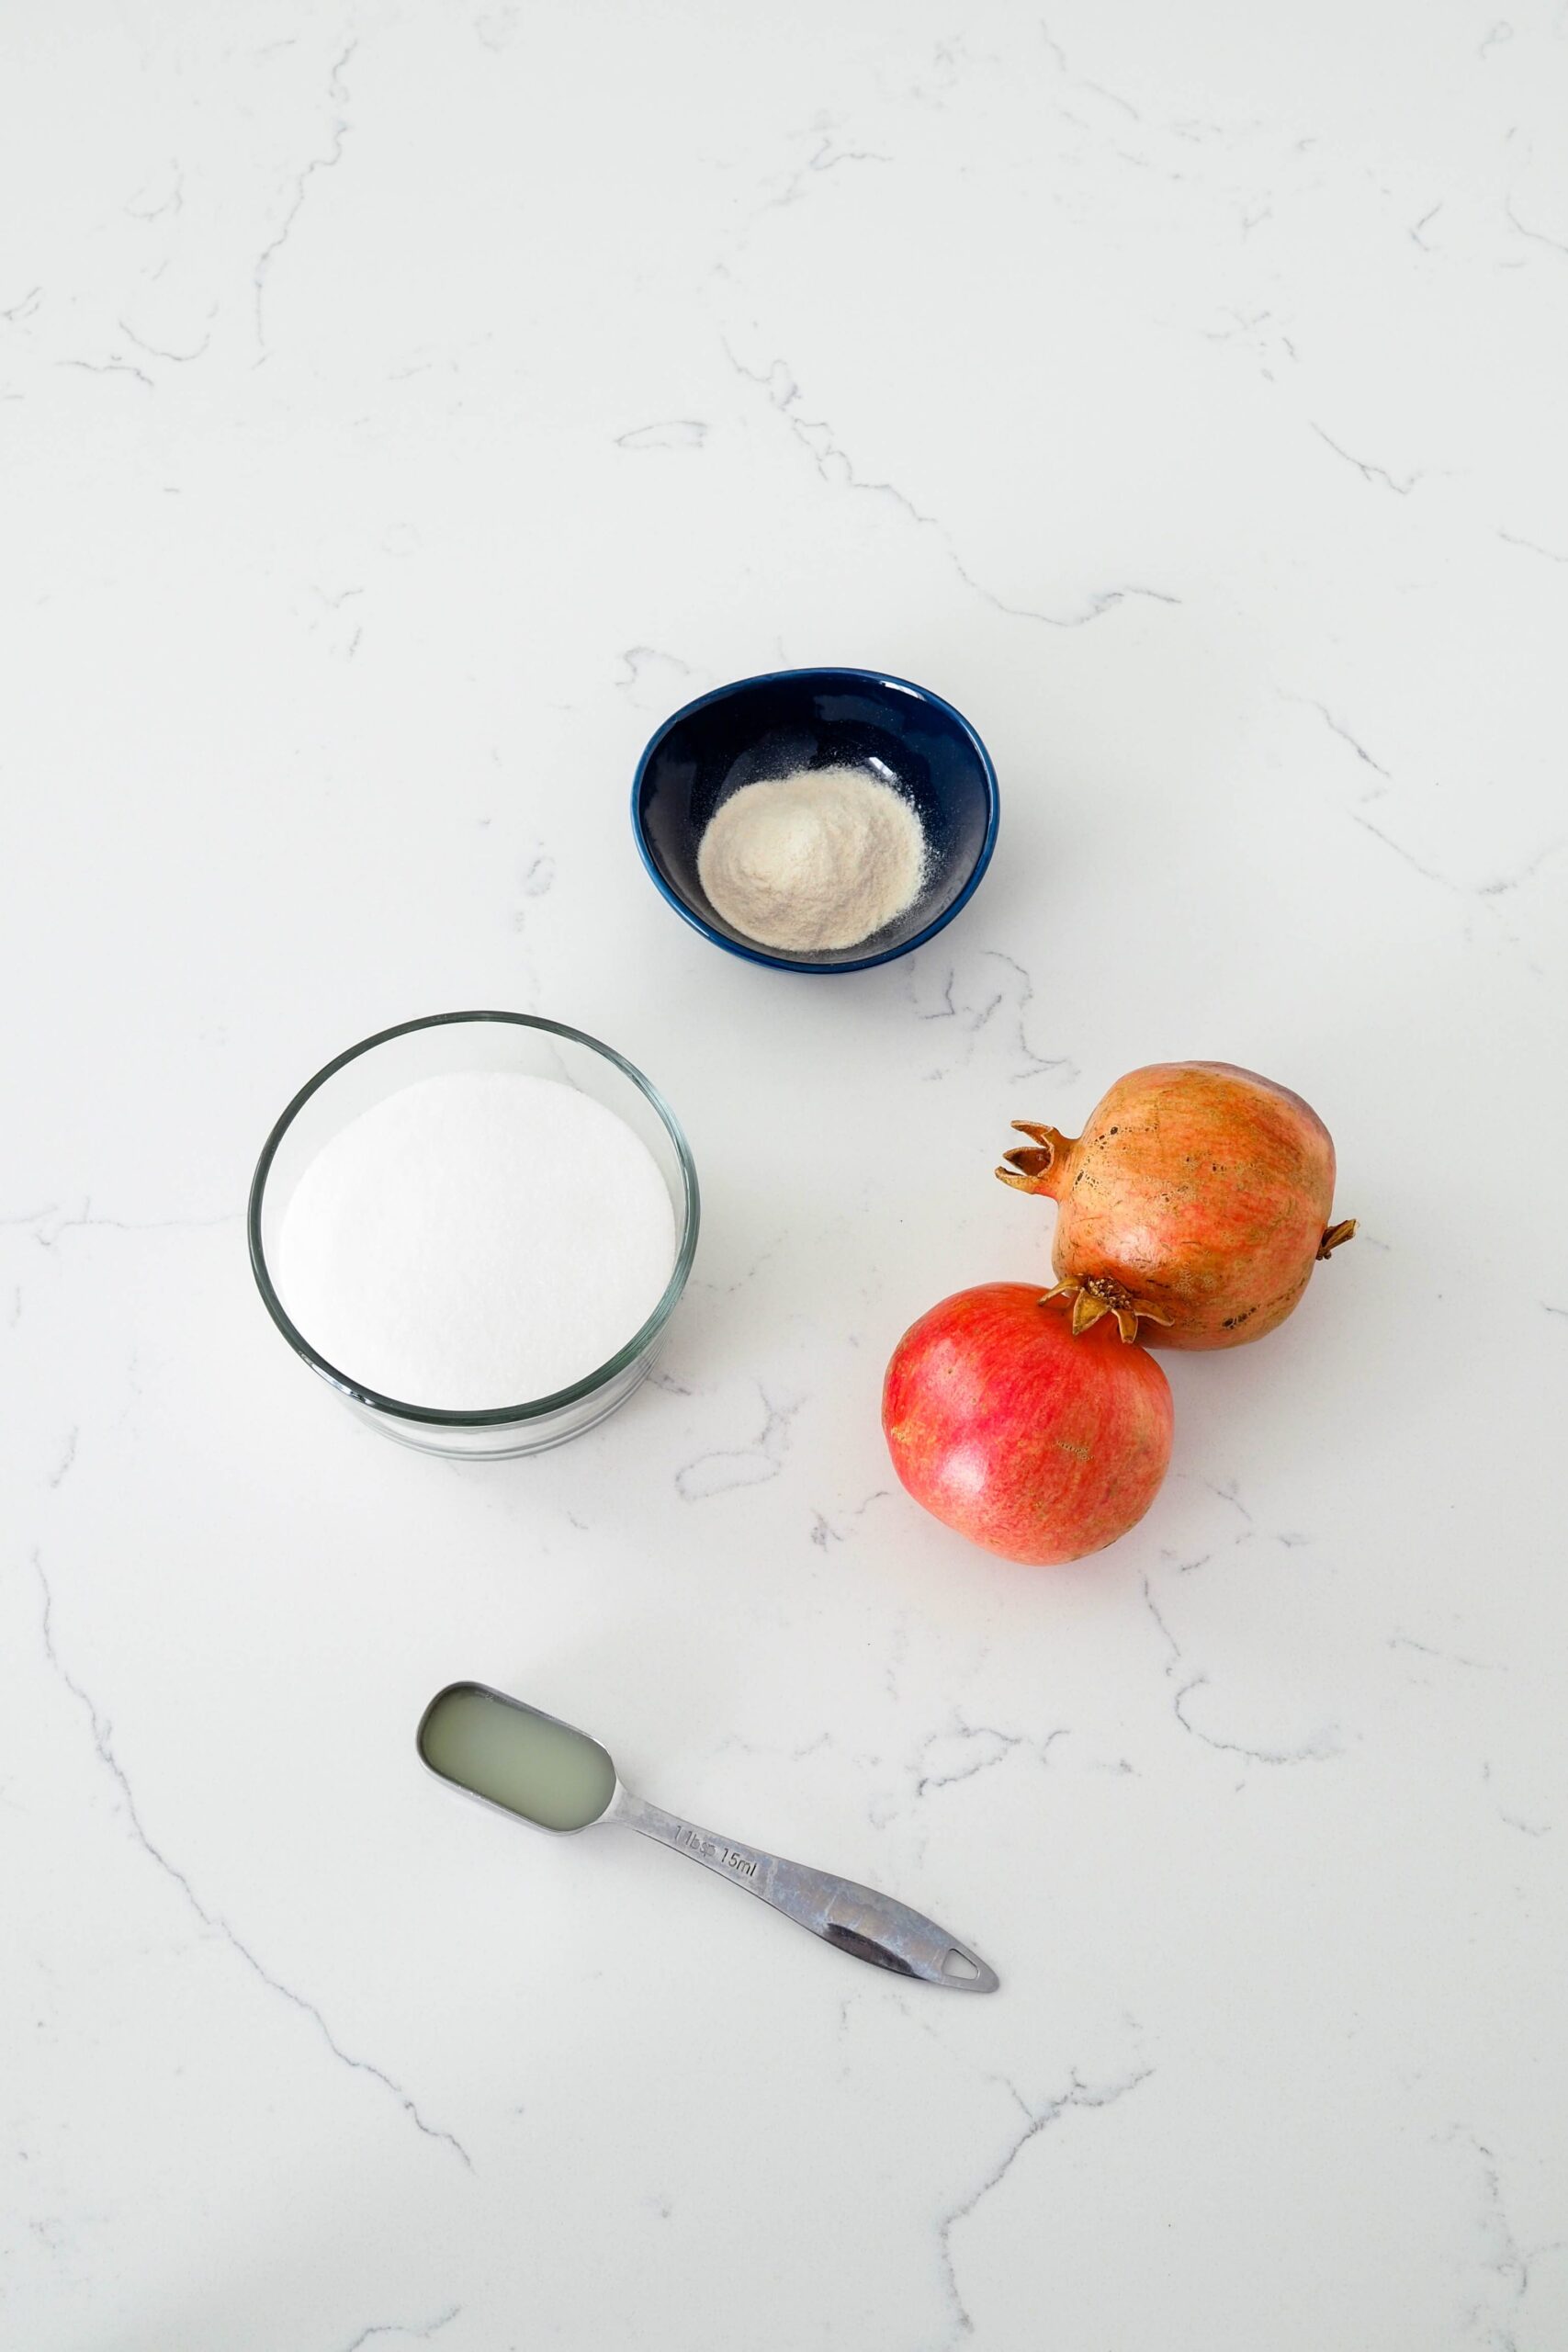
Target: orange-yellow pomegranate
[1195, 1202]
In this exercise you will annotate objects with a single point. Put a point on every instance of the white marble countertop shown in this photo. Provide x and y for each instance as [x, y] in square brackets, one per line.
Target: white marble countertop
[404, 408]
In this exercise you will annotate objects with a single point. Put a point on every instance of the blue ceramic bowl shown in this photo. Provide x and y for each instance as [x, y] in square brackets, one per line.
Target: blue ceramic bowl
[796, 718]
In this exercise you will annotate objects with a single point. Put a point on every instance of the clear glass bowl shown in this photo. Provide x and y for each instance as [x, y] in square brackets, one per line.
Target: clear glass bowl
[446, 1041]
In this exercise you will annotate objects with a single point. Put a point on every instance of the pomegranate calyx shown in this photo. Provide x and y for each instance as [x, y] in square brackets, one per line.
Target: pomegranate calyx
[1040, 1168]
[1100, 1294]
[1334, 1235]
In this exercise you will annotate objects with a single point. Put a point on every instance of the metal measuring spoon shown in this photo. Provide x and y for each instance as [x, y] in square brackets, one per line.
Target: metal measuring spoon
[557, 1778]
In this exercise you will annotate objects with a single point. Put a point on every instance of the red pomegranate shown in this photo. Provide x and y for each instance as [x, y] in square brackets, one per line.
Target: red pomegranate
[1197, 1199]
[1036, 1445]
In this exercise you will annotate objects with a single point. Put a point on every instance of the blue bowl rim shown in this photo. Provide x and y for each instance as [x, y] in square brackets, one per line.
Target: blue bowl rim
[797, 963]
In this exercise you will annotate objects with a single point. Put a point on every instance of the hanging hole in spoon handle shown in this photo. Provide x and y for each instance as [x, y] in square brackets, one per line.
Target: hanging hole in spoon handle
[856, 1919]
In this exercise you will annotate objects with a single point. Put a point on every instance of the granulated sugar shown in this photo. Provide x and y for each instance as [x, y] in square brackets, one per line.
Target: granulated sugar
[820, 859]
[477, 1240]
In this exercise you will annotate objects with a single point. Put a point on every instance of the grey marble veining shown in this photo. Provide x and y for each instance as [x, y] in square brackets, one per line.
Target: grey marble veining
[403, 410]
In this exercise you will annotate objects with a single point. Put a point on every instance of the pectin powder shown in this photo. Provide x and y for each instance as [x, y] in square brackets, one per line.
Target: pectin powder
[816, 860]
[477, 1240]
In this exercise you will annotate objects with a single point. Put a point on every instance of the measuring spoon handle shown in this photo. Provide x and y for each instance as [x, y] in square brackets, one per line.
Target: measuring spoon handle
[868, 1926]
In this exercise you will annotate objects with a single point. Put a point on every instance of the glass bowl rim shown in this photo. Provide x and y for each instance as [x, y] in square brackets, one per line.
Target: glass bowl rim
[496, 1417]
[754, 952]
